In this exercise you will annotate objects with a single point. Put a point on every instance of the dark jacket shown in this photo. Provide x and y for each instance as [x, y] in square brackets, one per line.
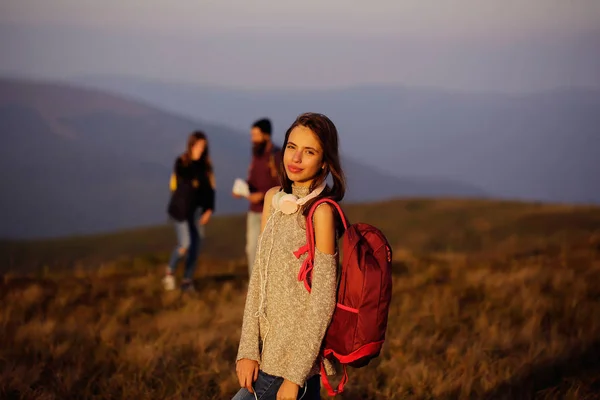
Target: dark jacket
[193, 190]
[264, 174]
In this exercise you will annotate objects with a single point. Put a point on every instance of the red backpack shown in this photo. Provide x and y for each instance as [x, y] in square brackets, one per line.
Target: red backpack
[357, 329]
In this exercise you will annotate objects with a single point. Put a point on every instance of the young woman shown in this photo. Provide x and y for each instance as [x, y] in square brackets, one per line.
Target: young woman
[191, 206]
[284, 325]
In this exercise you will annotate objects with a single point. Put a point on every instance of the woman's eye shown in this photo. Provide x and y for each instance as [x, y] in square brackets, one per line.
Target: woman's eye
[310, 152]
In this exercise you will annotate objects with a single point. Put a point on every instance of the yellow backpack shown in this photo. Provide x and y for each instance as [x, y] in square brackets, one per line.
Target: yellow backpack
[173, 182]
[195, 183]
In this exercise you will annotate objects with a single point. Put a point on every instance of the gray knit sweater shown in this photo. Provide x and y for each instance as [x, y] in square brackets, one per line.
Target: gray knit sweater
[284, 325]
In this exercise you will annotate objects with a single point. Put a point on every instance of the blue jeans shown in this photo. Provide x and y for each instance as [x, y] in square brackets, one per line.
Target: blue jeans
[189, 237]
[267, 386]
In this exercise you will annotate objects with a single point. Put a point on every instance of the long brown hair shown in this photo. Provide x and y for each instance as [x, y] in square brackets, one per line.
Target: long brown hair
[186, 157]
[327, 135]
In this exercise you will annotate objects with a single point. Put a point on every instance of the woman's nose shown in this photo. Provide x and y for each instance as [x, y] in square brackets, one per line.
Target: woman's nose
[297, 157]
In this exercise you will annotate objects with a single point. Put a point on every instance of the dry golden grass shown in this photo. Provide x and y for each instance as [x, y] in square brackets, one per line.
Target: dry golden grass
[491, 300]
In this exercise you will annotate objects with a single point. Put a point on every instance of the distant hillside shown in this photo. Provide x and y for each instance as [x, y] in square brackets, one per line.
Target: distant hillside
[78, 161]
[541, 146]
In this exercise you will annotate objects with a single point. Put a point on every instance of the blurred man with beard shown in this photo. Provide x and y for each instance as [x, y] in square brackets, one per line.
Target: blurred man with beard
[262, 176]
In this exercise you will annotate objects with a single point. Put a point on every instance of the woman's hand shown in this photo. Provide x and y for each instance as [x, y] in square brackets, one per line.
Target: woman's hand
[288, 391]
[205, 217]
[247, 373]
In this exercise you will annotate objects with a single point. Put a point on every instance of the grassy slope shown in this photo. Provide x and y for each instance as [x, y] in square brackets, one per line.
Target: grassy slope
[418, 225]
[491, 300]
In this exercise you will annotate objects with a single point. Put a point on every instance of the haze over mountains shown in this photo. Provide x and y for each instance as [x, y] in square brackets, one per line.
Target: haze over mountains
[538, 146]
[80, 161]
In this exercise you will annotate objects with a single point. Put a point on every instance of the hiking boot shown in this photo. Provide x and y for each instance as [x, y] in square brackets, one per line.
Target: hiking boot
[188, 287]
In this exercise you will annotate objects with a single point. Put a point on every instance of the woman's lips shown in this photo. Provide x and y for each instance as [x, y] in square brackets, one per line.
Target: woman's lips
[294, 170]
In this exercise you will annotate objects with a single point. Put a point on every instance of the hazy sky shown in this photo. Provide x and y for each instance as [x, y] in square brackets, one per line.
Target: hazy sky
[508, 45]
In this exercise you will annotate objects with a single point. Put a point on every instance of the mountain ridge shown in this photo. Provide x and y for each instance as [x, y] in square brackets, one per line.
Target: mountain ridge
[111, 170]
[530, 146]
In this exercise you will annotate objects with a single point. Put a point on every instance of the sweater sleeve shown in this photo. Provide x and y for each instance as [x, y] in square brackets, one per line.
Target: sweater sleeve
[250, 338]
[207, 193]
[311, 329]
[210, 199]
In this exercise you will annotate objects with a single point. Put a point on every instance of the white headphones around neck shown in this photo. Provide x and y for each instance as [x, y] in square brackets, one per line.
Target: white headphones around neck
[288, 203]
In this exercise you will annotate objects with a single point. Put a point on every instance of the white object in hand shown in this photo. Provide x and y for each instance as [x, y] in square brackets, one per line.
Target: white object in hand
[240, 187]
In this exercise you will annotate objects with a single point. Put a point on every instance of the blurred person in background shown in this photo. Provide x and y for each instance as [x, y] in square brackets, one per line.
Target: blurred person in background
[262, 176]
[190, 208]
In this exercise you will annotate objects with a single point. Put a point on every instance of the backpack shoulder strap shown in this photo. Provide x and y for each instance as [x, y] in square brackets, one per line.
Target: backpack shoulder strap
[305, 273]
[310, 229]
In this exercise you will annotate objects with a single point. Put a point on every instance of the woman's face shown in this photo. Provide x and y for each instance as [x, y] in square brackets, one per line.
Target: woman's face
[198, 149]
[303, 156]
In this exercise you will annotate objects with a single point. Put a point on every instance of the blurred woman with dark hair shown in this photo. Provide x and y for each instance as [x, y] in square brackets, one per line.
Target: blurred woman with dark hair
[191, 206]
